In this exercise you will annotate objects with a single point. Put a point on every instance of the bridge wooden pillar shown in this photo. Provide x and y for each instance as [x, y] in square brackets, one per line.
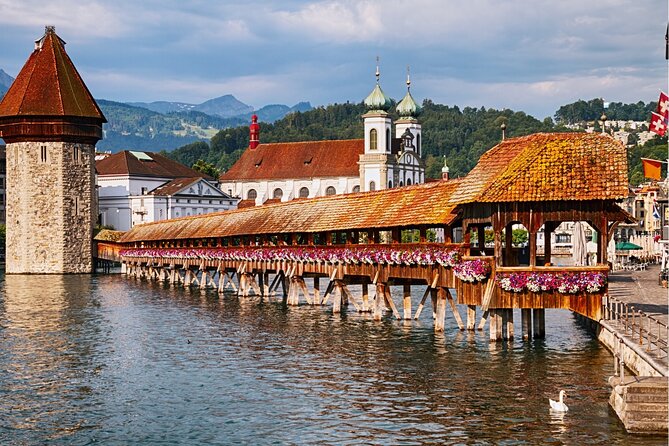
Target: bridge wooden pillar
[317, 291]
[526, 321]
[365, 297]
[539, 323]
[440, 319]
[407, 301]
[471, 317]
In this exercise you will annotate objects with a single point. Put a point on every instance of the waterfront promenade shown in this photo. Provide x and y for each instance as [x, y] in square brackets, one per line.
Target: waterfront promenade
[641, 290]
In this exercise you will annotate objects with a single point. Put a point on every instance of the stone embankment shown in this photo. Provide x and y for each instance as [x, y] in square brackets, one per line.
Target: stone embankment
[635, 330]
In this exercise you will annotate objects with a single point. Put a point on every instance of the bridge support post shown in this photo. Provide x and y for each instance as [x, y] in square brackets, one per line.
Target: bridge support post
[317, 291]
[439, 321]
[526, 321]
[365, 297]
[496, 324]
[471, 317]
[407, 301]
[379, 304]
[539, 323]
[454, 309]
[336, 299]
[433, 298]
[124, 268]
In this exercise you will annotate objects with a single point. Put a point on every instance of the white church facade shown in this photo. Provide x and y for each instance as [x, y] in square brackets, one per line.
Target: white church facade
[389, 155]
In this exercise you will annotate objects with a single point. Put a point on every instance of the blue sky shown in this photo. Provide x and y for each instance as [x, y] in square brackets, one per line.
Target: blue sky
[530, 55]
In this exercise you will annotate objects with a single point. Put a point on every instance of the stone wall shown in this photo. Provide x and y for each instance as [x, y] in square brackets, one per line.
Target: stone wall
[51, 208]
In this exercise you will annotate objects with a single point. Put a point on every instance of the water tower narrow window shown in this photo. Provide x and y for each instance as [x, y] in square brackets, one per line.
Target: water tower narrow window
[373, 140]
[43, 154]
[251, 194]
[75, 154]
[330, 191]
[304, 192]
[387, 140]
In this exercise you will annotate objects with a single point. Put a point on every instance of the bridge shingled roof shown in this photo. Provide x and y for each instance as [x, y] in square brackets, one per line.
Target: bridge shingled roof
[548, 167]
[540, 167]
[419, 204]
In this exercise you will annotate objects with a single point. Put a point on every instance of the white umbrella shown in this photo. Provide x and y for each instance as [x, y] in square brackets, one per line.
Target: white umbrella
[611, 251]
[579, 251]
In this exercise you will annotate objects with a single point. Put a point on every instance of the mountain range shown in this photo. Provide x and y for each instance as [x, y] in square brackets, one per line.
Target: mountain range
[164, 125]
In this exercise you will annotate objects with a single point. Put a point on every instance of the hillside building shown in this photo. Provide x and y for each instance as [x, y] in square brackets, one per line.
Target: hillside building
[386, 157]
[142, 187]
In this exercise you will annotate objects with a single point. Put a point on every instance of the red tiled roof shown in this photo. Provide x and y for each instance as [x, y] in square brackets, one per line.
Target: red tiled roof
[174, 186]
[410, 206]
[125, 163]
[49, 85]
[308, 159]
[548, 167]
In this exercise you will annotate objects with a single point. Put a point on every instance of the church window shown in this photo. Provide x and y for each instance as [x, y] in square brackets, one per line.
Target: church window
[401, 184]
[418, 143]
[387, 140]
[373, 143]
[330, 191]
[278, 193]
[43, 154]
[390, 184]
[304, 192]
[356, 189]
[252, 194]
[408, 181]
[372, 185]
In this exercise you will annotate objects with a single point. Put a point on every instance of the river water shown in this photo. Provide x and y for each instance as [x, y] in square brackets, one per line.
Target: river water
[110, 360]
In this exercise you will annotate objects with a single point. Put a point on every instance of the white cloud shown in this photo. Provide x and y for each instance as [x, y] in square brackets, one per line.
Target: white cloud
[71, 17]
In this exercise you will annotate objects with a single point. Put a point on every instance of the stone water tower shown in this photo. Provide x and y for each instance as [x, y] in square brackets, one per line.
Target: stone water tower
[50, 123]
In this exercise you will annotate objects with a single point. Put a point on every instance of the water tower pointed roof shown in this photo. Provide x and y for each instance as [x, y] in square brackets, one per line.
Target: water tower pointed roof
[49, 85]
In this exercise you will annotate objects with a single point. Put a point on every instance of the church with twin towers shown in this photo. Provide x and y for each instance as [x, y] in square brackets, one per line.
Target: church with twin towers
[389, 155]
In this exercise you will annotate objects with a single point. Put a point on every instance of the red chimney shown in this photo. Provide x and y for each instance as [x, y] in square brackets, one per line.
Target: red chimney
[254, 133]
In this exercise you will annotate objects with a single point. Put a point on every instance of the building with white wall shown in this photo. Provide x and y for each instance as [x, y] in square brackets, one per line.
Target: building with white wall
[388, 156]
[141, 187]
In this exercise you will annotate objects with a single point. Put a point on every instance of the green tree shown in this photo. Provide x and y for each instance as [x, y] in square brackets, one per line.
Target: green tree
[207, 168]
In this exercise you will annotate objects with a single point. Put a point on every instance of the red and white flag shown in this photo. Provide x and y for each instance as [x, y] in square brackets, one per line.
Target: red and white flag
[658, 124]
[663, 105]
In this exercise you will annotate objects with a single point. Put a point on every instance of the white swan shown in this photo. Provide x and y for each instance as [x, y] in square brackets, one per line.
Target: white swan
[559, 406]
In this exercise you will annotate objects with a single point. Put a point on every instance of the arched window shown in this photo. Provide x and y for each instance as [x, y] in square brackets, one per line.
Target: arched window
[356, 189]
[252, 194]
[373, 140]
[387, 140]
[330, 190]
[304, 192]
[401, 184]
[418, 143]
[390, 184]
[278, 193]
[408, 181]
[372, 185]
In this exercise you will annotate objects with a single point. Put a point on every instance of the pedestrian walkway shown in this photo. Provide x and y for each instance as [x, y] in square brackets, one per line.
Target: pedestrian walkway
[643, 317]
[641, 289]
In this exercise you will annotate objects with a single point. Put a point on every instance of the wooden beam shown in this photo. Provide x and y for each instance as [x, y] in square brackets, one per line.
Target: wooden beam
[441, 309]
[406, 301]
[454, 309]
[391, 304]
[471, 317]
[365, 297]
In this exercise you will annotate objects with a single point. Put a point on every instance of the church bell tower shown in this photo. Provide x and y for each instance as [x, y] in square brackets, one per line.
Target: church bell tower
[50, 123]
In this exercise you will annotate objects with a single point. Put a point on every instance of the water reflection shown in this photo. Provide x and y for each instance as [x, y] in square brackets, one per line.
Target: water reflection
[102, 359]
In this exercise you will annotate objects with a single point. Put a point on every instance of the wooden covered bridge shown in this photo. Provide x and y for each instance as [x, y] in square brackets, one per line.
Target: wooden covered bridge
[387, 238]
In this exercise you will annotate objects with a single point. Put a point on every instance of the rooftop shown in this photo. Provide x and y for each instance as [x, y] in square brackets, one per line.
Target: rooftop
[144, 164]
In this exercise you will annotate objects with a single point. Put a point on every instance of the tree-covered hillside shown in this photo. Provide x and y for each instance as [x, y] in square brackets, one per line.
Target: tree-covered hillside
[459, 135]
[585, 111]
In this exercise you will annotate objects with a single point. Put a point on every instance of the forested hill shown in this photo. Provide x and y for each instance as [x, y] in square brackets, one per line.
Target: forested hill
[584, 111]
[461, 135]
